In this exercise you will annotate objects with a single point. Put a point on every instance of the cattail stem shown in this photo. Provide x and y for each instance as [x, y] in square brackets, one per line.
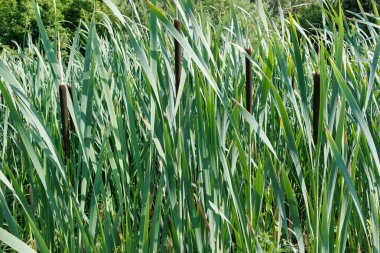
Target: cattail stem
[64, 121]
[248, 81]
[72, 126]
[316, 105]
[178, 56]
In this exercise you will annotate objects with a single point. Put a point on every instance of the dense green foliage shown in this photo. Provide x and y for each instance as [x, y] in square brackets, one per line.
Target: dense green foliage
[155, 169]
[17, 17]
[13, 20]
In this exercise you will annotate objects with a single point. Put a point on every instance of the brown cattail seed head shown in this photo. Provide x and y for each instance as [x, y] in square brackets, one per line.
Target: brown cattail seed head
[177, 24]
[248, 81]
[64, 121]
[178, 56]
[293, 82]
[316, 105]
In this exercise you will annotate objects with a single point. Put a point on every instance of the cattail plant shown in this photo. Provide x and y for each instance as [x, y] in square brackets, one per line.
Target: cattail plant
[64, 120]
[316, 101]
[178, 55]
[248, 81]
[63, 105]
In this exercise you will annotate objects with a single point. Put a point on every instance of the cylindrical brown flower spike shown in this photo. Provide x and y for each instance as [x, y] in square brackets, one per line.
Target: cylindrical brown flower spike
[316, 104]
[293, 82]
[72, 126]
[64, 121]
[248, 81]
[178, 56]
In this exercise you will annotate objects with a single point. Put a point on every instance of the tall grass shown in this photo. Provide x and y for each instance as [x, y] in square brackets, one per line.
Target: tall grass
[152, 169]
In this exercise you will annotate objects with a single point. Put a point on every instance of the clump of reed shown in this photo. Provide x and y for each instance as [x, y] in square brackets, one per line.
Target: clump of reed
[148, 175]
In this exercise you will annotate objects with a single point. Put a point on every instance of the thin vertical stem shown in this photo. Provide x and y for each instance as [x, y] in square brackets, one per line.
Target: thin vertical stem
[178, 56]
[64, 121]
[316, 102]
[248, 81]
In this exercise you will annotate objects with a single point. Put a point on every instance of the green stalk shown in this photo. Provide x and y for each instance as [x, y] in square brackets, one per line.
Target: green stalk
[316, 105]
